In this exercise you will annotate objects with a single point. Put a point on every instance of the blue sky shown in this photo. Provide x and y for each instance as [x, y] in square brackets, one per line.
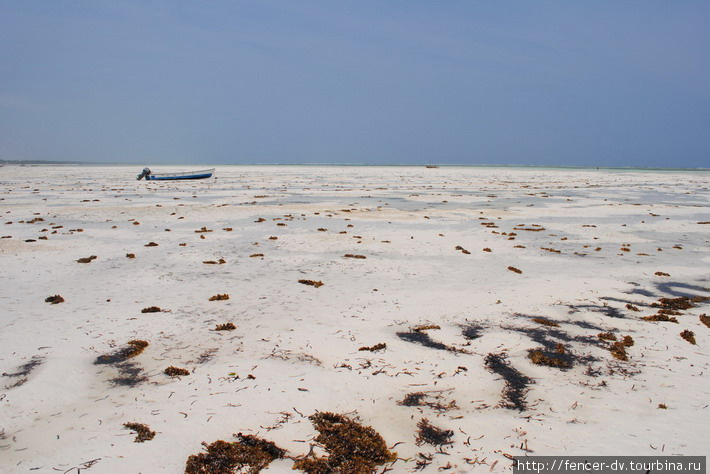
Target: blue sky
[596, 83]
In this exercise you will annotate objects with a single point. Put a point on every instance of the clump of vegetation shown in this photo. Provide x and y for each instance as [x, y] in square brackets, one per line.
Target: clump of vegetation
[631, 307]
[225, 327]
[87, 259]
[413, 399]
[540, 358]
[151, 244]
[151, 309]
[618, 350]
[516, 384]
[56, 299]
[627, 341]
[350, 255]
[425, 327]
[143, 432]
[486, 249]
[463, 250]
[662, 274]
[688, 336]
[219, 297]
[221, 261]
[314, 283]
[662, 406]
[176, 371]
[550, 250]
[546, 322]
[680, 303]
[226, 458]
[135, 347]
[203, 230]
[516, 270]
[374, 348]
[430, 434]
[130, 255]
[254, 255]
[351, 447]
[705, 319]
[660, 317]
[606, 336]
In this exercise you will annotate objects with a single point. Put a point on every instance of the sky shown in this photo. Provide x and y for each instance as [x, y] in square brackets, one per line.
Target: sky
[559, 83]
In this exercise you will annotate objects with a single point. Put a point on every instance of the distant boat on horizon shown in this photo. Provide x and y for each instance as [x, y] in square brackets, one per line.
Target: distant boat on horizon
[150, 176]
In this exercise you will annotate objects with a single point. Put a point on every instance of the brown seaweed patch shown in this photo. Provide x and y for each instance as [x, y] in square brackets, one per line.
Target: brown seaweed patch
[151, 309]
[550, 250]
[546, 322]
[351, 447]
[135, 347]
[56, 299]
[688, 336]
[705, 319]
[631, 307]
[425, 327]
[662, 274]
[606, 336]
[87, 259]
[516, 270]
[225, 327]
[538, 357]
[680, 303]
[417, 399]
[203, 230]
[377, 347]
[219, 297]
[423, 339]
[221, 261]
[516, 384]
[228, 458]
[350, 255]
[660, 318]
[151, 244]
[130, 255]
[618, 350]
[430, 434]
[486, 249]
[176, 371]
[143, 432]
[314, 283]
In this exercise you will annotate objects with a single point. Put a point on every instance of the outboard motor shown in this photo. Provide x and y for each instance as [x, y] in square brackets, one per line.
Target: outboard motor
[144, 174]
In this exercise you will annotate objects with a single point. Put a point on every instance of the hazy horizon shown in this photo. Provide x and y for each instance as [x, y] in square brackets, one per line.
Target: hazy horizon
[550, 83]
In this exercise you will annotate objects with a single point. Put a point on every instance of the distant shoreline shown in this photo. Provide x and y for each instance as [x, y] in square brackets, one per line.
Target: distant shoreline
[538, 167]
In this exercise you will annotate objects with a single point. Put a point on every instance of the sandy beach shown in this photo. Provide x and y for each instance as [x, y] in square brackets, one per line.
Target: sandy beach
[504, 306]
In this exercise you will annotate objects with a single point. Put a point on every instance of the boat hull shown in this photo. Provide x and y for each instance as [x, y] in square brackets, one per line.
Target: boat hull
[203, 174]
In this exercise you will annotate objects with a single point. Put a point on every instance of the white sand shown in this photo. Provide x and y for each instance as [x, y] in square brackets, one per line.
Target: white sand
[301, 343]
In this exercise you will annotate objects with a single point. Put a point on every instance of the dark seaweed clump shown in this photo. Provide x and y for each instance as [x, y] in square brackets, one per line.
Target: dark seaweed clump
[374, 348]
[430, 434]
[56, 299]
[176, 371]
[423, 339]
[351, 447]
[540, 357]
[705, 319]
[225, 458]
[143, 432]
[516, 384]
[219, 297]
[313, 283]
[129, 372]
[151, 309]
[688, 336]
[225, 327]
[87, 259]
[471, 331]
[134, 348]
[23, 371]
